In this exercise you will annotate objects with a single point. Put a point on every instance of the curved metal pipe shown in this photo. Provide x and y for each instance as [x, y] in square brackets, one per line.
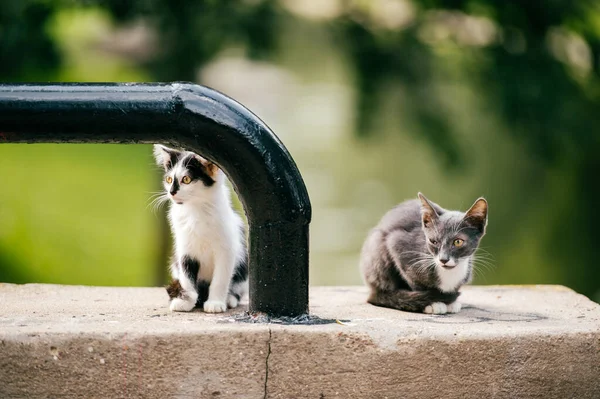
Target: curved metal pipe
[207, 122]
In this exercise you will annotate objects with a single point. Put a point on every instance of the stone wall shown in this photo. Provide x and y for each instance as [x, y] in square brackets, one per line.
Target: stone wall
[97, 342]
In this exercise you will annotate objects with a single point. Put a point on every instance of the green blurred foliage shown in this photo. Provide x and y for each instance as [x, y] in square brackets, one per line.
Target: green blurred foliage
[74, 201]
[532, 68]
[26, 49]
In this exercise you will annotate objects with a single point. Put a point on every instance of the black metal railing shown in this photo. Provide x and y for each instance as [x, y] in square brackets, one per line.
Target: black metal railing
[202, 120]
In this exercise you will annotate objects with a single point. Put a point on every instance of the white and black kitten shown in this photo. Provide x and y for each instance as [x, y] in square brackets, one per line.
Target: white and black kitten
[420, 254]
[209, 268]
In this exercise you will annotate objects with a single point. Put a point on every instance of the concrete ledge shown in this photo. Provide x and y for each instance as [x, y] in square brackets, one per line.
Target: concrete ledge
[507, 342]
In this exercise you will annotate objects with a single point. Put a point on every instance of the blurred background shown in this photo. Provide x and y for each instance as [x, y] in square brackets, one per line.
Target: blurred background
[375, 99]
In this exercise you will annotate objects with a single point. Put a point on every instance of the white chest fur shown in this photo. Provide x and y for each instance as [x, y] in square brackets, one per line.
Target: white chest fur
[205, 232]
[450, 279]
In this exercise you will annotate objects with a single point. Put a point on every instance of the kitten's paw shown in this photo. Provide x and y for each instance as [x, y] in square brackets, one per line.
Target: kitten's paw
[212, 306]
[454, 307]
[436, 308]
[232, 302]
[181, 305]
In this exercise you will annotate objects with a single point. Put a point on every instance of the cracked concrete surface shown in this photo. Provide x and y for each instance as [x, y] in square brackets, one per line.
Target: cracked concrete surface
[72, 341]
[267, 365]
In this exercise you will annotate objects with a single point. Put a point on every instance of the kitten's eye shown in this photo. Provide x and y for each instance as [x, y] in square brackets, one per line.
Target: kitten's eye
[458, 242]
[433, 242]
[186, 180]
[169, 179]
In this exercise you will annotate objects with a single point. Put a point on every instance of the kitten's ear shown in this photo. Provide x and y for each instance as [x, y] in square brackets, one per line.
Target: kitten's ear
[211, 168]
[428, 213]
[165, 156]
[477, 214]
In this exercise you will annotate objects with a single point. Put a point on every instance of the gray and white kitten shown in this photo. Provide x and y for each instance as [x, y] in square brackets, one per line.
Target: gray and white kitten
[420, 254]
[209, 268]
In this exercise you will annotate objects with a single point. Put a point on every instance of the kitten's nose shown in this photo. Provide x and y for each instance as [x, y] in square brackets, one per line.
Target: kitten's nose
[173, 192]
[444, 260]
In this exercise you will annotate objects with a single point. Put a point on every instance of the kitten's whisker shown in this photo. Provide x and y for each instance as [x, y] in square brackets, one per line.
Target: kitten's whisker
[156, 195]
[157, 202]
[485, 266]
[416, 252]
[412, 259]
[483, 259]
[488, 266]
[485, 262]
[492, 261]
[422, 258]
[428, 265]
[422, 268]
[485, 251]
[479, 274]
[421, 261]
[484, 254]
[151, 202]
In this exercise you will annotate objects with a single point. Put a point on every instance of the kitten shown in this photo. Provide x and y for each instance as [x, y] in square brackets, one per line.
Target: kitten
[209, 268]
[420, 254]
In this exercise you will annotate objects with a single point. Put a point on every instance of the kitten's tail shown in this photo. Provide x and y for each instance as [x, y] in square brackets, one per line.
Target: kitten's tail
[239, 281]
[411, 301]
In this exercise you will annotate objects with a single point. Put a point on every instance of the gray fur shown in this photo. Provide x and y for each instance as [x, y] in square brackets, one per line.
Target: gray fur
[402, 257]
